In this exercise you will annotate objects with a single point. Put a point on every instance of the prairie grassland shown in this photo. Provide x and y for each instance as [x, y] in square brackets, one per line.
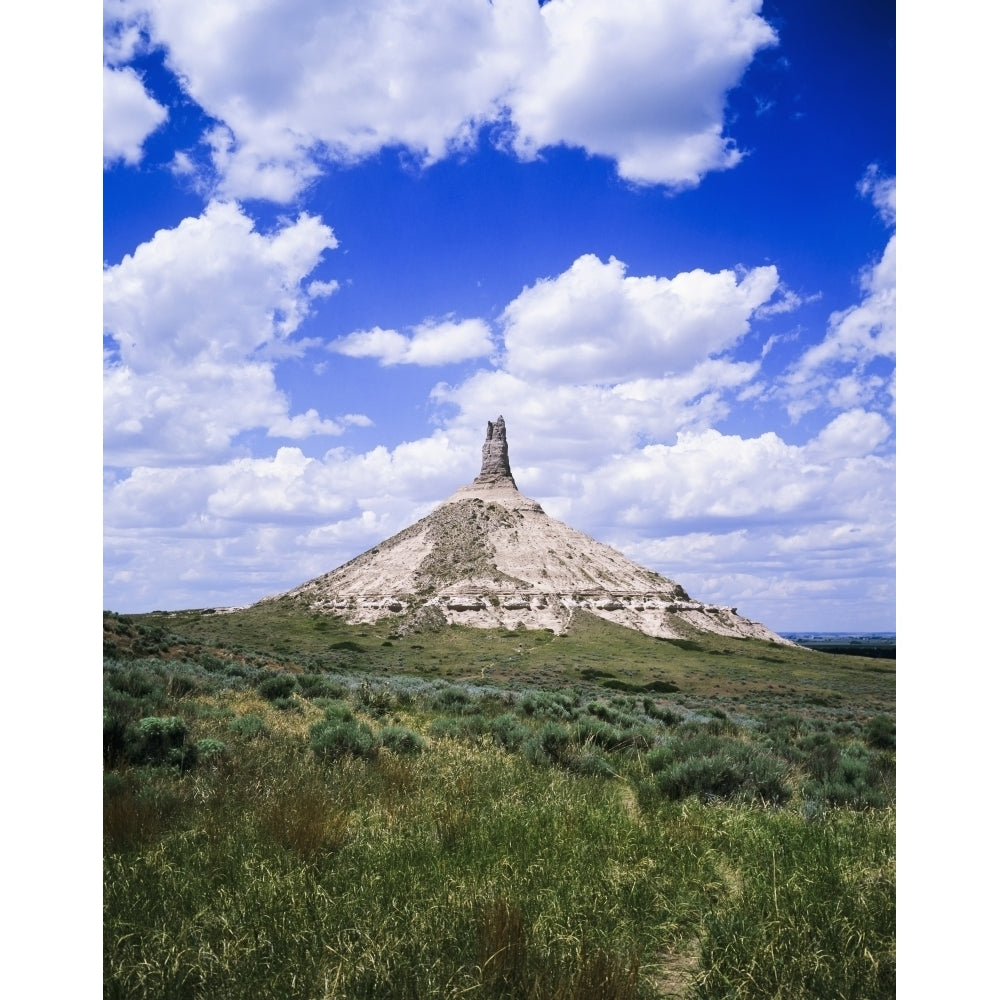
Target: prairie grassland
[345, 833]
[593, 652]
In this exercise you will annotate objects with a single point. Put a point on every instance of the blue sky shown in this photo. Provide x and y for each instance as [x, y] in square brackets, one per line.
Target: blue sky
[658, 237]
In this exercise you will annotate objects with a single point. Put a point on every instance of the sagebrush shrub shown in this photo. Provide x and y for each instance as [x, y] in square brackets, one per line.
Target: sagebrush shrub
[717, 767]
[601, 733]
[317, 686]
[507, 731]
[336, 711]
[611, 714]
[612, 737]
[401, 740]
[445, 727]
[550, 705]
[375, 699]
[861, 780]
[165, 732]
[213, 664]
[136, 682]
[451, 699]
[691, 740]
[209, 748]
[247, 726]
[330, 740]
[784, 726]
[276, 686]
[548, 744]
[819, 755]
[713, 726]
[665, 715]
[161, 740]
[749, 776]
[881, 733]
[180, 684]
[587, 760]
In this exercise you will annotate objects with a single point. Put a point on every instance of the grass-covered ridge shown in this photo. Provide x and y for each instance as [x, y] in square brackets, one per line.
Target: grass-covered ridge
[294, 809]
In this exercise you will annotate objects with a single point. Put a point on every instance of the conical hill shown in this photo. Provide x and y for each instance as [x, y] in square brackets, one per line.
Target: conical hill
[490, 557]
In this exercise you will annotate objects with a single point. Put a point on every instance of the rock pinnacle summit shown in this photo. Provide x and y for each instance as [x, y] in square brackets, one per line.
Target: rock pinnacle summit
[496, 463]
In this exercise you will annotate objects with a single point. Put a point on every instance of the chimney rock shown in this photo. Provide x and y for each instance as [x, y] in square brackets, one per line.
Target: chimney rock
[496, 465]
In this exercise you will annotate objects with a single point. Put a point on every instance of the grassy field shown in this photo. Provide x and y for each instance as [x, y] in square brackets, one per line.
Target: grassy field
[701, 666]
[298, 808]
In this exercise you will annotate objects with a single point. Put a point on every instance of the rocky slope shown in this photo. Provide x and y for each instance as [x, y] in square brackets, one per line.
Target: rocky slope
[490, 557]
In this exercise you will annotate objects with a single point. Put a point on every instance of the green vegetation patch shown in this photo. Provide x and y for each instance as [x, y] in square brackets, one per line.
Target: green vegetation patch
[659, 687]
[525, 833]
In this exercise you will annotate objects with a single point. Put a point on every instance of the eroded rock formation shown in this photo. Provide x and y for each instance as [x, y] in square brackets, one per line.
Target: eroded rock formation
[496, 462]
[490, 557]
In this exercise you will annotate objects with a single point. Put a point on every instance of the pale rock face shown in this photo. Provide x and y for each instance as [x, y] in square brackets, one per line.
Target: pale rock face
[490, 557]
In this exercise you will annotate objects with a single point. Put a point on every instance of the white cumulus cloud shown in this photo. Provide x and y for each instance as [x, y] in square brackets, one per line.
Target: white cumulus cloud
[838, 371]
[592, 323]
[237, 530]
[433, 342]
[863, 332]
[196, 315]
[296, 83]
[775, 528]
[130, 115]
[850, 435]
[643, 82]
[882, 191]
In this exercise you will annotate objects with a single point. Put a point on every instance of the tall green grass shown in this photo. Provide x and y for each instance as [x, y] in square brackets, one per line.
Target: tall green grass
[815, 912]
[427, 839]
[389, 879]
[470, 872]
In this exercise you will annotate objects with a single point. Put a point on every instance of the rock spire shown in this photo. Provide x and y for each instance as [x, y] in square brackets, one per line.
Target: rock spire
[496, 464]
